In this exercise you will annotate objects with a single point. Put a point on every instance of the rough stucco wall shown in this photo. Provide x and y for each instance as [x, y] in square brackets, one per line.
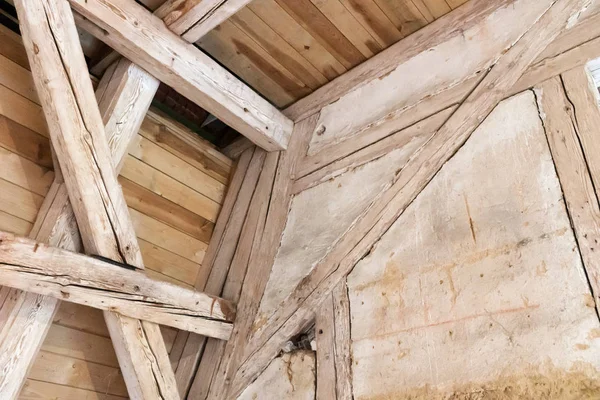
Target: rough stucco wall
[320, 215]
[289, 377]
[478, 290]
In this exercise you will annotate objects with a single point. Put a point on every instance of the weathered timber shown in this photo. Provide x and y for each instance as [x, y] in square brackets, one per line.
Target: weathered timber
[36, 268]
[261, 260]
[192, 19]
[129, 91]
[76, 129]
[249, 241]
[569, 110]
[297, 309]
[138, 35]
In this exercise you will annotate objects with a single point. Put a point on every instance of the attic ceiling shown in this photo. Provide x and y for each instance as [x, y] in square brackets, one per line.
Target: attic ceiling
[285, 49]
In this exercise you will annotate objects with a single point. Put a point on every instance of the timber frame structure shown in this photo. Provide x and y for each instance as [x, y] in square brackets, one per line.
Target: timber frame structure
[296, 227]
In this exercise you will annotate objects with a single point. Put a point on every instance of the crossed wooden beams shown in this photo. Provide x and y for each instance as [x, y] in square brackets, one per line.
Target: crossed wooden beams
[86, 191]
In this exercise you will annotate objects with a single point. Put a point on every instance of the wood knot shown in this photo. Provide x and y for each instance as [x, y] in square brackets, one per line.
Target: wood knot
[36, 49]
[321, 130]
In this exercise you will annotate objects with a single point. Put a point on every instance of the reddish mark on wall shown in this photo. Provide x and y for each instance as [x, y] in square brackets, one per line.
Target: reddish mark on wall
[450, 321]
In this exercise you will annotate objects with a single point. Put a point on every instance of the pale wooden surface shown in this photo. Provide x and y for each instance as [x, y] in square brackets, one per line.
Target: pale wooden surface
[252, 229]
[160, 255]
[194, 346]
[570, 111]
[35, 147]
[34, 267]
[261, 261]
[572, 48]
[325, 340]
[186, 69]
[82, 149]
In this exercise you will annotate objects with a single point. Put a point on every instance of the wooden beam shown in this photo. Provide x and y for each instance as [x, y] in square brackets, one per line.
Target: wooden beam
[415, 102]
[334, 352]
[416, 174]
[76, 129]
[37, 268]
[192, 19]
[325, 338]
[343, 342]
[235, 149]
[262, 259]
[571, 117]
[126, 92]
[431, 35]
[194, 346]
[138, 35]
[252, 229]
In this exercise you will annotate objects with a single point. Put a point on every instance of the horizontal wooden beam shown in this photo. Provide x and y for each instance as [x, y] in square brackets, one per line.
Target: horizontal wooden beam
[38, 268]
[144, 38]
[193, 19]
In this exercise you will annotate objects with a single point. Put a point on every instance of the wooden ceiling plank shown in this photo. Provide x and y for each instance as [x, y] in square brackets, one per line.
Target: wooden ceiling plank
[313, 20]
[349, 26]
[37, 268]
[293, 313]
[374, 20]
[82, 149]
[381, 64]
[247, 59]
[281, 50]
[298, 37]
[138, 35]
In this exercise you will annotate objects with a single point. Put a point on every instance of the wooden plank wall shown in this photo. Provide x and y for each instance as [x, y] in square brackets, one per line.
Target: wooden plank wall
[174, 184]
[285, 49]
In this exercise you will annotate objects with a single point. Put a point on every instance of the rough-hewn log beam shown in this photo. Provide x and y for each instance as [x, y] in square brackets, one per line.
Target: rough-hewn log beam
[192, 19]
[34, 267]
[299, 307]
[124, 93]
[77, 134]
[141, 36]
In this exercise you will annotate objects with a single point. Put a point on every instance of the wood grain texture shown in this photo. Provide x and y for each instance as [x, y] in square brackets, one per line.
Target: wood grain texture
[261, 261]
[37, 268]
[432, 35]
[183, 67]
[56, 225]
[253, 228]
[83, 151]
[325, 338]
[343, 342]
[572, 48]
[194, 346]
[297, 310]
[193, 19]
[570, 112]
